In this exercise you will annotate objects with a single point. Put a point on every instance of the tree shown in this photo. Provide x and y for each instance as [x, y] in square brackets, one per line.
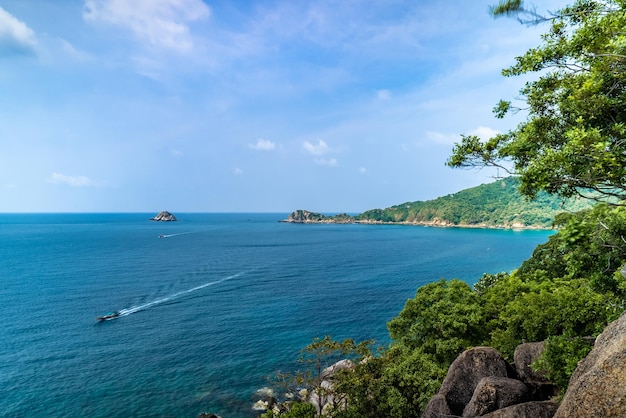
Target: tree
[443, 319]
[314, 384]
[574, 137]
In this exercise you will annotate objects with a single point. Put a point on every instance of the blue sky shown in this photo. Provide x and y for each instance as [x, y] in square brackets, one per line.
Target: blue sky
[245, 106]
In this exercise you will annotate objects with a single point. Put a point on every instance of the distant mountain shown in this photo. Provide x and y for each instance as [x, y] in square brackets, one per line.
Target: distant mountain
[493, 205]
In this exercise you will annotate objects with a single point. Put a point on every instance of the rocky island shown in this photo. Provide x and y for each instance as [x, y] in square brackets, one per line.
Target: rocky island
[164, 216]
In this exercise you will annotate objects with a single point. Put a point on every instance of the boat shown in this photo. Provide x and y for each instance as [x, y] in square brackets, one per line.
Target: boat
[108, 316]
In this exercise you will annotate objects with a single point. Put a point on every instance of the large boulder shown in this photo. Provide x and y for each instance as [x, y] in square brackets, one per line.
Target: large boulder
[437, 407]
[523, 358]
[466, 372]
[494, 393]
[537, 409]
[598, 386]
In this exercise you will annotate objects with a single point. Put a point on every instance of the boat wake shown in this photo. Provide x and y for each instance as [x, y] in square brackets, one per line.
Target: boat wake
[143, 307]
[173, 235]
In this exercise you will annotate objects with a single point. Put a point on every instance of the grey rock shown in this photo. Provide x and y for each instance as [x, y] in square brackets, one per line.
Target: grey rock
[164, 216]
[466, 372]
[494, 393]
[598, 386]
[536, 409]
[525, 354]
[438, 408]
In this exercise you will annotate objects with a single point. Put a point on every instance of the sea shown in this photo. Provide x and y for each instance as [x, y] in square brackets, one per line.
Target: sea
[211, 306]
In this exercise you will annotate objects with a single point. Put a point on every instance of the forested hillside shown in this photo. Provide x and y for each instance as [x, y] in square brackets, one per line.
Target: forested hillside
[494, 204]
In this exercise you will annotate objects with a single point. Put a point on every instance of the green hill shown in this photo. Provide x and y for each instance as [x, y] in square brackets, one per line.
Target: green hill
[493, 205]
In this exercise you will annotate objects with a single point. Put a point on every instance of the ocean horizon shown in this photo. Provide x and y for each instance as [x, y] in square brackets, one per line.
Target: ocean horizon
[210, 306]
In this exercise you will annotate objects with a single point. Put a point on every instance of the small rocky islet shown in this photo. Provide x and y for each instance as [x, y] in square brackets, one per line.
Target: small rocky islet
[164, 216]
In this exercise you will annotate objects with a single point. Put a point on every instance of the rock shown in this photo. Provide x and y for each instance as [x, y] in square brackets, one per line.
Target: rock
[466, 372]
[495, 393]
[327, 396]
[329, 372]
[437, 408]
[535, 409]
[208, 415]
[597, 387]
[525, 354]
[164, 216]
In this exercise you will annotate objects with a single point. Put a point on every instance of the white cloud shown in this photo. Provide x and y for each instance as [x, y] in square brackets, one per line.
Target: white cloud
[263, 145]
[362, 170]
[320, 149]
[74, 181]
[383, 94]
[237, 171]
[16, 38]
[484, 132]
[331, 162]
[162, 23]
[71, 50]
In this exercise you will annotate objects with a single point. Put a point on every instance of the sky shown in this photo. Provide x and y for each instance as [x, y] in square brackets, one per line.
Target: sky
[247, 106]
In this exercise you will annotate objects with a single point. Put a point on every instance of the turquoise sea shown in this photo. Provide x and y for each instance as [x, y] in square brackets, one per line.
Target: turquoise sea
[208, 311]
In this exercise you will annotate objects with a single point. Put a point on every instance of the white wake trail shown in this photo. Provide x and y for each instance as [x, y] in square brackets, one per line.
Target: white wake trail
[174, 235]
[134, 309]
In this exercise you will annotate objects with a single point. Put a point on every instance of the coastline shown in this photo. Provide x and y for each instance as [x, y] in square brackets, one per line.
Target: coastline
[435, 223]
[306, 217]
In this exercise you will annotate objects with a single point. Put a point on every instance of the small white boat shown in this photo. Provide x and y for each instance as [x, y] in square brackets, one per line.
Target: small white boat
[108, 316]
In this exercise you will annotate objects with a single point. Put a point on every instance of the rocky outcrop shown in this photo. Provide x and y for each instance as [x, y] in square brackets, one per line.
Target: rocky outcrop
[525, 355]
[598, 386]
[493, 393]
[466, 372]
[535, 409]
[164, 216]
[305, 217]
[481, 383]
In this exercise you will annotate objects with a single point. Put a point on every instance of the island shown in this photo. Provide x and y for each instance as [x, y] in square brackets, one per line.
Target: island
[497, 205]
[164, 216]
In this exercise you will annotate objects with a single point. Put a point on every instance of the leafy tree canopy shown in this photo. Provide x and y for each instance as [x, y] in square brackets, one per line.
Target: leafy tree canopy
[574, 136]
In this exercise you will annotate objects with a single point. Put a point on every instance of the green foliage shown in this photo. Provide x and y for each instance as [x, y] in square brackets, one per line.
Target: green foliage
[442, 320]
[301, 410]
[494, 204]
[561, 356]
[314, 359]
[573, 137]
[549, 308]
[398, 384]
[590, 245]
[487, 281]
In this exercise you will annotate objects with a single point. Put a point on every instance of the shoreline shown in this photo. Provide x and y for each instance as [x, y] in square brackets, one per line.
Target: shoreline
[435, 224]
